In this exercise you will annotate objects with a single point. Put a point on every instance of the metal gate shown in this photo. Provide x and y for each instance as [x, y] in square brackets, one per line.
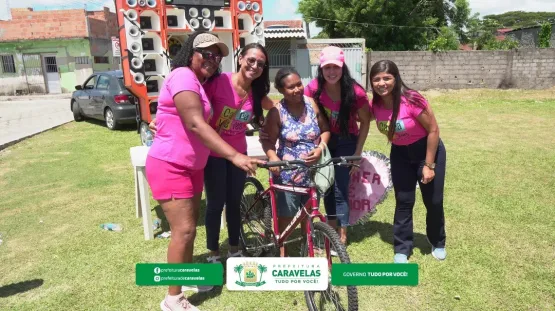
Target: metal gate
[308, 57]
[34, 76]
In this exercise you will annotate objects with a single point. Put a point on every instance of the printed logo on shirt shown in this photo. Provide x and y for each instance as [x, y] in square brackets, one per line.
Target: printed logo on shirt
[224, 122]
[243, 116]
[383, 126]
[333, 116]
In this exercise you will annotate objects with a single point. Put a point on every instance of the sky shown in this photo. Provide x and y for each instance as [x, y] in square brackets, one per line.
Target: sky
[286, 9]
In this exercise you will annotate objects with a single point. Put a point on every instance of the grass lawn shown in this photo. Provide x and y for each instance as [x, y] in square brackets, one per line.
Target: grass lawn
[59, 186]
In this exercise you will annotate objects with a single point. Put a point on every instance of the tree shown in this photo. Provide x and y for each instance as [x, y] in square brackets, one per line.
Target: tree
[545, 35]
[238, 269]
[520, 19]
[386, 25]
[459, 16]
[446, 41]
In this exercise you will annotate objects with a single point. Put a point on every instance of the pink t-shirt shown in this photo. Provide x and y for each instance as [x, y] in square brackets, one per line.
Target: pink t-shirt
[231, 115]
[332, 108]
[408, 130]
[173, 142]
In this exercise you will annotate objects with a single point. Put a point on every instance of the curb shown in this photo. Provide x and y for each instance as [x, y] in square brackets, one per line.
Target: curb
[13, 142]
[31, 97]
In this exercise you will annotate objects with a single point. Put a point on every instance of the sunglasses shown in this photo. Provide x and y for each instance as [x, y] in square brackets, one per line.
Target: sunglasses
[207, 55]
[259, 64]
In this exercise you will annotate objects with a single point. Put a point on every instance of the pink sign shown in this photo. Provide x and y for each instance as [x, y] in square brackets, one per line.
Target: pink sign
[369, 186]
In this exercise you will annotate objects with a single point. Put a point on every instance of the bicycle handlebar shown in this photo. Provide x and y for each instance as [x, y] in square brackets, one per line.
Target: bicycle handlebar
[338, 160]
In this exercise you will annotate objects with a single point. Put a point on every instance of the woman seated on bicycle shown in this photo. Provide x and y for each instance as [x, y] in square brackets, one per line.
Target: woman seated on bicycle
[300, 127]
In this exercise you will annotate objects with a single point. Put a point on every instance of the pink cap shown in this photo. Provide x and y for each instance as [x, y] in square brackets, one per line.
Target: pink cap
[332, 55]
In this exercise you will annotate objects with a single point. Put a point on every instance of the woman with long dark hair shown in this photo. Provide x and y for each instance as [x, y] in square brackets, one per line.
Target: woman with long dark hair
[417, 155]
[344, 102]
[238, 99]
[178, 155]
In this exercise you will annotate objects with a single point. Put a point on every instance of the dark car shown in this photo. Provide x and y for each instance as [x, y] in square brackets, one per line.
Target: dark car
[103, 96]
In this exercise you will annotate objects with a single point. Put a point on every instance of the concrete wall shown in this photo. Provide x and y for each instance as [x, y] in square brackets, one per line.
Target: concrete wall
[522, 68]
[529, 37]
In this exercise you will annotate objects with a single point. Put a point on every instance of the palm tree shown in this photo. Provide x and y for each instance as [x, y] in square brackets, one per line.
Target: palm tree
[238, 269]
[262, 269]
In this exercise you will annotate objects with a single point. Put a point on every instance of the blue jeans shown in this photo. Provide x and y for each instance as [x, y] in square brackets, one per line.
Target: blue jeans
[336, 201]
[223, 183]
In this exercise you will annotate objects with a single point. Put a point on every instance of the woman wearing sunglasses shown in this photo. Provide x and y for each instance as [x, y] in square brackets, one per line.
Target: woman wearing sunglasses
[238, 99]
[184, 139]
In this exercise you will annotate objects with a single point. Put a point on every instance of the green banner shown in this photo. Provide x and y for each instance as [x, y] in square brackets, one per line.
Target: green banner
[375, 274]
[155, 274]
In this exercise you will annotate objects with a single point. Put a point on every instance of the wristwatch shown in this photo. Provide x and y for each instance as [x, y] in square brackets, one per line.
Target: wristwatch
[431, 166]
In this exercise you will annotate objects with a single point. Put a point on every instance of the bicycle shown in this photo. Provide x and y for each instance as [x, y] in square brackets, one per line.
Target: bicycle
[257, 235]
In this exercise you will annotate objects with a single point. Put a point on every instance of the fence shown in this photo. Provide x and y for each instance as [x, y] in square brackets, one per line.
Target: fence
[303, 55]
[21, 74]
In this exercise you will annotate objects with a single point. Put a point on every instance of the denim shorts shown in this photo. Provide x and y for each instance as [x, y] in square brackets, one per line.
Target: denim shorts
[288, 203]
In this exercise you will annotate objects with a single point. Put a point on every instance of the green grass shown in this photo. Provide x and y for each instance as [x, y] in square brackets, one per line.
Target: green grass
[59, 186]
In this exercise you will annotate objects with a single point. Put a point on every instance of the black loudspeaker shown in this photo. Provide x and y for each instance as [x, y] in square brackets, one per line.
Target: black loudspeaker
[148, 44]
[152, 86]
[172, 21]
[219, 21]
[146, 22]
[150, 65]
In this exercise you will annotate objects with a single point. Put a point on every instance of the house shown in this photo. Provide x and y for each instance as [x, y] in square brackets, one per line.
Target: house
[52, 51]
[528, 37]
[282, 39]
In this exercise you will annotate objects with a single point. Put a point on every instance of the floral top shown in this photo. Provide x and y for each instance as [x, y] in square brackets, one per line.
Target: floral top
[297, 137]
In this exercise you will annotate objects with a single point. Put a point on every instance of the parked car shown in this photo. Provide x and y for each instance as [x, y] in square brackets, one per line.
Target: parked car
[103, 96]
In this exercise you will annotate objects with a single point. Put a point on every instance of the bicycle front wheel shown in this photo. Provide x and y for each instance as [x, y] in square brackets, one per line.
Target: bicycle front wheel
[256, 219]
[335, 297]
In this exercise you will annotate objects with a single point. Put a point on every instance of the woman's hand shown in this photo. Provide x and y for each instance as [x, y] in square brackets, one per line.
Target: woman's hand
[275, 169]
[427, 175]
[152, 126]
[313, 157]
[246, 163]
[355, 169]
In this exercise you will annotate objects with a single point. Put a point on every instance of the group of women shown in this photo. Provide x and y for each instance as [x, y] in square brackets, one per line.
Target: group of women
[200, 143]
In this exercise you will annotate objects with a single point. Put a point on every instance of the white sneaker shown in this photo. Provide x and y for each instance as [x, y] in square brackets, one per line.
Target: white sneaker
[202, 288]
[239, 253]
[177, 303]
[197, 288]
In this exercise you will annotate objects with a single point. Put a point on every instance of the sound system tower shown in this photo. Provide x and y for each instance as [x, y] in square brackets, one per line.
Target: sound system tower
[153, 31]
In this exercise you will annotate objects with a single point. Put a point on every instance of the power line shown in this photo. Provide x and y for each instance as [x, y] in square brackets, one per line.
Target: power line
[370, 24]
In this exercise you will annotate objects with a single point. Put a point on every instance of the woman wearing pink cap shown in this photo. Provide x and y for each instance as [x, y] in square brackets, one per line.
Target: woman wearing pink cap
[345, 102]
[183, 141]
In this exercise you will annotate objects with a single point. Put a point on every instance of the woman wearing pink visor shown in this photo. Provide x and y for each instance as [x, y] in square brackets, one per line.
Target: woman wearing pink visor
[345, 102]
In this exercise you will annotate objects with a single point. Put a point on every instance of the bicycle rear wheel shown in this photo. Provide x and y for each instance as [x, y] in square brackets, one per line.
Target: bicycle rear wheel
[256, 219]
[335, 297]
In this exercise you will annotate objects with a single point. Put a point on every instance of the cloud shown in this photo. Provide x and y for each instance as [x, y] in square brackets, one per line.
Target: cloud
[286, 7]
[487, 7]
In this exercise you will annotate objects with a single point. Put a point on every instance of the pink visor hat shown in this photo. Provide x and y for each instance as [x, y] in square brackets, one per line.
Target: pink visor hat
[332, 55]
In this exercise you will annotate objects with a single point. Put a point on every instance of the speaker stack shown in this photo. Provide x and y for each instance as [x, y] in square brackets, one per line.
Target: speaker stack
[186, 16]
[153, 31]
[248, 23]
[145, 60]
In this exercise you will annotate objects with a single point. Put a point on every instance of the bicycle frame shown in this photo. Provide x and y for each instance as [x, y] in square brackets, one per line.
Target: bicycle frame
[310, 209]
